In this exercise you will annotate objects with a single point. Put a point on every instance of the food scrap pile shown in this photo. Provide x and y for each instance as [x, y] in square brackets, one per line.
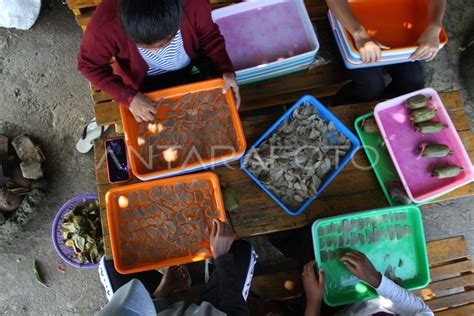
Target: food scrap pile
[198, 126]
[166, 222]
[296, 158]
[83, 233]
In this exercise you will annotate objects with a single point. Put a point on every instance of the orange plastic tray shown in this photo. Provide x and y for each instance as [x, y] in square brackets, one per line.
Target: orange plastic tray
[138, 164]
[167, 222]
[402, 23]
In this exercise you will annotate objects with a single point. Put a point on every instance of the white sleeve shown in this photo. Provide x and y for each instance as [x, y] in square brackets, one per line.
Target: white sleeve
[403, 301]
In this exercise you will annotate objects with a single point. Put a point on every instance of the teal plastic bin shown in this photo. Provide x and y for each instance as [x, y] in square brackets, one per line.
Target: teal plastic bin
[392, 238]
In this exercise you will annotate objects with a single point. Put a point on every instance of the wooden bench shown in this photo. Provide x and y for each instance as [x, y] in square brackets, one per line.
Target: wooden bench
[352, 190]
[450, 292]
[322, 81]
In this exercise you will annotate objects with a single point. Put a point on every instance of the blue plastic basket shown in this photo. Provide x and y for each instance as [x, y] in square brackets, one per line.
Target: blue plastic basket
[328, 116]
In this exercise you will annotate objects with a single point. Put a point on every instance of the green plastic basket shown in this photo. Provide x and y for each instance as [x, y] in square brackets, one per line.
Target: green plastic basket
[379, 157]
[380, 160]
[405, 254]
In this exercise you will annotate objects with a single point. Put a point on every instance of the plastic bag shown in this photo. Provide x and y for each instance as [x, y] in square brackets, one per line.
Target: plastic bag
[20, 14]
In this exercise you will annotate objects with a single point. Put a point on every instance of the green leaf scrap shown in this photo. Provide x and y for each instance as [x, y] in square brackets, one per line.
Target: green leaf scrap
[37, 274]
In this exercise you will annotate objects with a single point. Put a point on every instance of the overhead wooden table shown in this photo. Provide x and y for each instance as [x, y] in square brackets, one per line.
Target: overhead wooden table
[351, 191]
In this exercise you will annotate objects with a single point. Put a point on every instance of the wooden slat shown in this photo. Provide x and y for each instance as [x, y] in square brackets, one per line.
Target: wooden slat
[450, 270]
[459, 311]
[107, 113]
[101, 96]
[451, 301]
[439, 288]
[272, 286]
[446, 250]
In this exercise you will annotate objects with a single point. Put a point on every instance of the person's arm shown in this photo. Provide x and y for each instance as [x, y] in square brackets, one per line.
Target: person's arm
[210, 38]
[403, 301]
[314, 289]
[212, 43]
[428, 42]
[231, 299]
[369, 48]
[94, 57]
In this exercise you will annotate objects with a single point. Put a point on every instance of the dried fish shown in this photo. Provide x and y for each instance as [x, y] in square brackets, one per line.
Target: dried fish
[341, 241]
[407, 230]
[362, 239]
[347, 225]
[370, 236]
[355, 239]
[329, 242]
[347, 241]
[333, 228]
[322, 242]
[324, 256]
[355, 224]
[320, 231]
[391, 232]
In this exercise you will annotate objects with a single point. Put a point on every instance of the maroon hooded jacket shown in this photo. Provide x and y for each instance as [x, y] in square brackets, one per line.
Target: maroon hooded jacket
[105, 38]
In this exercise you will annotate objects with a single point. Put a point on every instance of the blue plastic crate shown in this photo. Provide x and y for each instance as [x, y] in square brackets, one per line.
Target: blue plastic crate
[328, 116]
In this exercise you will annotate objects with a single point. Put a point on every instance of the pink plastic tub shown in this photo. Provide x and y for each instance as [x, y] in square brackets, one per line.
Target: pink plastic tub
[403, 143]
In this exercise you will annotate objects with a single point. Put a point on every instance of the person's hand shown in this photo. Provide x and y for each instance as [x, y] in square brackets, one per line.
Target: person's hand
[428, 44]
[313, 286]
[231, 83]
[369, 49]
[361, 267]
[142, 108]
[174, 278]
[221, 238]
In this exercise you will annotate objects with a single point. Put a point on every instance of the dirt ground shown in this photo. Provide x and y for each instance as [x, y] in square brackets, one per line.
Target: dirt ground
[42, 92]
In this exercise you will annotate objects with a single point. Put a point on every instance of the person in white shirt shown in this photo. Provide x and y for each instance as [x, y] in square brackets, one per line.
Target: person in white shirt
[393, 300]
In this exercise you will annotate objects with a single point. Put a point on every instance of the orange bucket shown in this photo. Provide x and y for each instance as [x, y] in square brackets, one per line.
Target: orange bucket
[191, 139]
[164, 222]
[394, 23]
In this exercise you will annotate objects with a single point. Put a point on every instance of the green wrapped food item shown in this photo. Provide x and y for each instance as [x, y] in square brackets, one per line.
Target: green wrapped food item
[82, 232]
[422, 115]
[429, 127]
[435, 150]
[447, 171]
[369, 125]
[398, 193]
[417, 102]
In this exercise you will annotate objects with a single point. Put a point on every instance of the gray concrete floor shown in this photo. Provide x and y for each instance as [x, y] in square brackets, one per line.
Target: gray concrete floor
[42, 92]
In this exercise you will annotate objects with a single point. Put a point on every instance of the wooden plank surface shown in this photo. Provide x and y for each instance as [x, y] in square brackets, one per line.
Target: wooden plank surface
[277, 286]
[446, 250]
[459, 311]
[450, 270]
[352, 190]
[451, 300]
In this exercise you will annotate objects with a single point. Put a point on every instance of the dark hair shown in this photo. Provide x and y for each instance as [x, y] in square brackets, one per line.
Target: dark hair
[150, 21]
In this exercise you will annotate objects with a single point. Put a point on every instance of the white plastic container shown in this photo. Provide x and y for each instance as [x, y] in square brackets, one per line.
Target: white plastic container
[267, 38]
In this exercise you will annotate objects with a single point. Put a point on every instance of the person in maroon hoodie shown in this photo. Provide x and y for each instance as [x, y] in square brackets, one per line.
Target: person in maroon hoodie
[156, 44]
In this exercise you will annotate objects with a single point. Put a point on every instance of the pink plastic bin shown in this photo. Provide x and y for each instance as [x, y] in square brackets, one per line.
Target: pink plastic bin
[403, 142]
